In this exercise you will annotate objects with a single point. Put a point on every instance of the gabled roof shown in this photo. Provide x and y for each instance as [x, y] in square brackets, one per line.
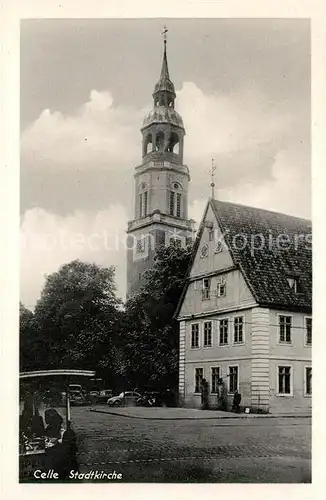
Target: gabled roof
[281, 250]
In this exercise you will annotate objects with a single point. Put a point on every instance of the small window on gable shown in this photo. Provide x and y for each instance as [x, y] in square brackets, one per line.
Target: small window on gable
[211, 234]
[218, 247]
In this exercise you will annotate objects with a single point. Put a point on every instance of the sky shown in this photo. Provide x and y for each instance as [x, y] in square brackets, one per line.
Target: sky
[243, 90]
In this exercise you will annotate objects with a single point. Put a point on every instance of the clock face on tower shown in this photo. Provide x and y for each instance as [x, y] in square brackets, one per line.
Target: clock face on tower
[204, 251]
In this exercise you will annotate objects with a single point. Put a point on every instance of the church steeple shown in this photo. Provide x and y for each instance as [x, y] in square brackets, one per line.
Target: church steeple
[163, 130]
[164, 93]
[165, 68]
[161, 183]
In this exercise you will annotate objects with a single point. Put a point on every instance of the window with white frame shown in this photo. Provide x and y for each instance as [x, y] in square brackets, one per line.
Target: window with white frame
[208, 334]
[238, 330]
[285, 327]
[221, 288]
[215, 377]
[206, 288]
[284, 380]
[224, 331]
[199, 374]
[308, 380]
[308, 332]
[233, 379]
[211, 234]
[194, 335]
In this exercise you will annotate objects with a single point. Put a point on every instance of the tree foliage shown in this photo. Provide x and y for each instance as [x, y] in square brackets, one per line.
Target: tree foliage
[79, 323]
[77, 316]
[151, 338]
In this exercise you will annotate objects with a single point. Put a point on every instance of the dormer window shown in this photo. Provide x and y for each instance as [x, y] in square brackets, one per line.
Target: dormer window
[294, 284]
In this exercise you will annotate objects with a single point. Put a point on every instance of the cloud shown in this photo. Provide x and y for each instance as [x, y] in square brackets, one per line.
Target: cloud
[77, 170]
[85, 160]
[49, 240]
[98, 134]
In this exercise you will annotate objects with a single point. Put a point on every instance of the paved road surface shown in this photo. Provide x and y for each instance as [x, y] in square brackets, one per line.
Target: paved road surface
[227, 451]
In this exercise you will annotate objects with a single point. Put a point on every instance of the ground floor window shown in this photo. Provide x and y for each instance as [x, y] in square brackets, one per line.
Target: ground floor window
[215, 376]
[233, 378]
[308, 377]
[284, 379]
[199, 374]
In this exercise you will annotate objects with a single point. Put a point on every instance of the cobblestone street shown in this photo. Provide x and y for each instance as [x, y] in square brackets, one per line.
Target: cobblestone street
[195, 450]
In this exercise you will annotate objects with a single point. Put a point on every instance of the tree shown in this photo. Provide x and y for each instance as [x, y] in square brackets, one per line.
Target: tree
[26, 344]
[77, 316]
[151, 338]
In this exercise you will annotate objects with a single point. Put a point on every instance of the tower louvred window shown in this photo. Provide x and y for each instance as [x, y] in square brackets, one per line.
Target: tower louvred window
[172, 204]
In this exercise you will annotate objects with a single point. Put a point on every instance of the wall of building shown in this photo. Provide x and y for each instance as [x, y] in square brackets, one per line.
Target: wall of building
[213, 261]
[160, 182]
[237, 295]
[223, 356]
[298, 401]
[193, 400]
[158, 234]
[297, 355]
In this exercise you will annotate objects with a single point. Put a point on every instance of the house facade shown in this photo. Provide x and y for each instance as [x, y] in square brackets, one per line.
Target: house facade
[245, 314]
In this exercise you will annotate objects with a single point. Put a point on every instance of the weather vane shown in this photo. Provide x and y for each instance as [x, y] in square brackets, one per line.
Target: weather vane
[164, 33]
[213, 178]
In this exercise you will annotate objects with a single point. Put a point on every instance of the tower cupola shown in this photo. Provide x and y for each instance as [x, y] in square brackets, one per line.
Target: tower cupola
[163, 130]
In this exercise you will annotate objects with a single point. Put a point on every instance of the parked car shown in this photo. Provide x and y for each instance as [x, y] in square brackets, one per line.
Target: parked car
[127, 398]
[94, 397]
[104, 395]
[77, 398]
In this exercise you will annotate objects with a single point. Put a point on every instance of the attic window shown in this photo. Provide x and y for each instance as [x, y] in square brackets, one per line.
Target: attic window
[209, 223]
[218, 247]
[294, 284]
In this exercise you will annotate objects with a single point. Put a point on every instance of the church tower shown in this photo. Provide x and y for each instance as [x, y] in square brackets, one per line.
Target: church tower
[161, 184]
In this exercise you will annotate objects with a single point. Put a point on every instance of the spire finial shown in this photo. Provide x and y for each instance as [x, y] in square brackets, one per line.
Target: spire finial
[164, 33]
[165, 70]
[213, 178]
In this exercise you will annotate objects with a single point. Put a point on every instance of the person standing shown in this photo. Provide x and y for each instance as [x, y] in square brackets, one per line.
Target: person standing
[223, 396]
[204, 394]
[236, 402]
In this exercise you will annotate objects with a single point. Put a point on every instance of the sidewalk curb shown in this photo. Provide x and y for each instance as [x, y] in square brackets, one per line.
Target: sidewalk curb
[200, 418]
